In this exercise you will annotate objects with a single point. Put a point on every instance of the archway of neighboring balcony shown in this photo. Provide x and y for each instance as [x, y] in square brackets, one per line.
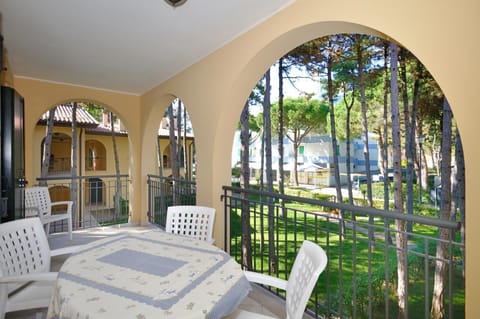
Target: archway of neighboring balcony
[103, 161]
[174, 181]
[175, 143]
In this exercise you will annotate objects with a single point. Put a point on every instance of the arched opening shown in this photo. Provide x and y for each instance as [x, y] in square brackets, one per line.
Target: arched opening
[176, 142]
[78, 151]
[352, 155]
[175, 182]
[59, 161]
[95, 156]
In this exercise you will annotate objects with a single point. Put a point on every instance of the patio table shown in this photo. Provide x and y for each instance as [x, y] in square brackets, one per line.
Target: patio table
[149, 275]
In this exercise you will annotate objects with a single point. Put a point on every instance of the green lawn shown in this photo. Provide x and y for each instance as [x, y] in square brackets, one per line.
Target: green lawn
[345, 283]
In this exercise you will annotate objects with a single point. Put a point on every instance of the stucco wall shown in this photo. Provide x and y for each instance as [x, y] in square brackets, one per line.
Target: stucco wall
[440, 34]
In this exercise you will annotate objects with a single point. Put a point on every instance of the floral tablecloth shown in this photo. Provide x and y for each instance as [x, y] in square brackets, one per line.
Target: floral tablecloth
[150, 275]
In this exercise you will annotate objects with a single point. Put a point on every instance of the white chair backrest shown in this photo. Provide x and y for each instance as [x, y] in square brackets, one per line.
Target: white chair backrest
[23, 247]
[311, 260]
[192, 221]
[38, 197]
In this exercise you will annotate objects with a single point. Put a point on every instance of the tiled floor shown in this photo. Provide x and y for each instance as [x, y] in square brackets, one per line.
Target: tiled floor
[258, 301]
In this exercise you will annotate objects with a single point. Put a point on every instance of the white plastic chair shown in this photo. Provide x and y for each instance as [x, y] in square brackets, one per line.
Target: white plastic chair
[191, 221]
[310, 262]
[38, 203]
[25, 278]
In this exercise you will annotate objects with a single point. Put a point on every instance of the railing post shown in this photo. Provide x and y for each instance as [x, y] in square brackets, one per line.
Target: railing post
[149, 199]
[226, 222]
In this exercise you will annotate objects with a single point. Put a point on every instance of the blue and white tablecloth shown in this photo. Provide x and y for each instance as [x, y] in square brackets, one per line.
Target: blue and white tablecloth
[150, 275]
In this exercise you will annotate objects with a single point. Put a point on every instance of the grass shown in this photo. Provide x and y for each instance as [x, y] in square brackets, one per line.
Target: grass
[355, 267]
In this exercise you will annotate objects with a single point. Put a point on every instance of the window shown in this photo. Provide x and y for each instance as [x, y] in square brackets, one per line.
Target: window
[95, 156]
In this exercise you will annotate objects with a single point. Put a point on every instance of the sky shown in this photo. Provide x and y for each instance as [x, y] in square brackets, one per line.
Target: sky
[305, 85]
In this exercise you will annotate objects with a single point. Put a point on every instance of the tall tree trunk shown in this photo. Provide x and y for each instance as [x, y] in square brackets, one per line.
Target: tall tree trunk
[74, 186]
[384, 164]
[179, 134]
[366, 148]
[409, 149]
[161, 192]
[330, 93]
[386, 178]
[363, 101]
[384, 151]
[401, 241]
[296, 146]
[262, 188]
[245, 180]
[185, 153]
[413, 129]
[47, 146]
[349, 106]
[333, 133]
[159, 156]
[269, 175]
[438, 296]
[173, 153]
[460, 164]
[281, 174]
[118, 182]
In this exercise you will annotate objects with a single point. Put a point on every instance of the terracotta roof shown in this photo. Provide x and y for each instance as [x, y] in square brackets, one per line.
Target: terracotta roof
[63, 116]
[104, 130]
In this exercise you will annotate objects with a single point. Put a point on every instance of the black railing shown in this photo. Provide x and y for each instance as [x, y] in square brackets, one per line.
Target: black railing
[95, 204]
[167, 191]
[360, 280]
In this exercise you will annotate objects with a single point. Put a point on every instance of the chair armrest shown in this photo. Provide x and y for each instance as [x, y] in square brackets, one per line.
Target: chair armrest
[266, 280]
[69, 204]
[65, 250]
[40, 276]
[63, 202]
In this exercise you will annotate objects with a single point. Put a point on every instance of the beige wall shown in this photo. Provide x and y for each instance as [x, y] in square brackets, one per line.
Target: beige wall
[442, 34]
[106, 140]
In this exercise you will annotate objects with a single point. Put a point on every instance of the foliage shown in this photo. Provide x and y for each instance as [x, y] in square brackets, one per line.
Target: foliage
[399, 100]
[301, 115]
[95, 110]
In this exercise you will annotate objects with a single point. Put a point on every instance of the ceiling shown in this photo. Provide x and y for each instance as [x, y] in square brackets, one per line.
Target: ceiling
[121, 45]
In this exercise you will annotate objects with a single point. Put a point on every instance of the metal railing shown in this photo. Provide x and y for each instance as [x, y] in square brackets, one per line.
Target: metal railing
[95, 204]
[167, 191]
[360, 280]
[59, 165]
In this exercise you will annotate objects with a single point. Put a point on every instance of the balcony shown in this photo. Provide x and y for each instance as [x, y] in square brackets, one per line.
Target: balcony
[360, 280]
[361, 277]
[96, 203]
